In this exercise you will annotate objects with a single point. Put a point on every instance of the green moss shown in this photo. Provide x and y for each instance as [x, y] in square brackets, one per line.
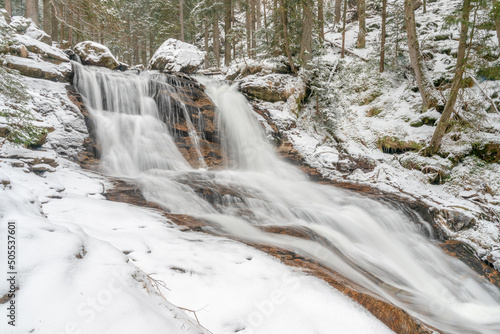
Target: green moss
[467, 83]
[19, 128]
[489, 73]
[395, 146]
[373, 112]
[370, 98]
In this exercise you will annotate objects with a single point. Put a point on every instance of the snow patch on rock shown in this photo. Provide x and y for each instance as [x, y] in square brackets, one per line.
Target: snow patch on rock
[95, 54]
[177, 56]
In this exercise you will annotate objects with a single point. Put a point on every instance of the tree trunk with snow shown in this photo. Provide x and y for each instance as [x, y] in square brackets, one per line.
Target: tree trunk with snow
[425, 86]
[227, 32]
[362, 23]
[382, 43]
[455, 86]
[8, 6]
[342, 55]
[32, 10]
[496, 10]
[338, 10]
[307, 24]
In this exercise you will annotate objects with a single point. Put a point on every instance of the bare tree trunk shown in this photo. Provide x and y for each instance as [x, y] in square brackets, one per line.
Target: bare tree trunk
[232, 23]
[253, 27]
[426, 87]
[438, 135]
[70, 23]
[46, 16]
[258, 14]
[342, 55]
[496, 5]
[151, 43]
[362, 23]
[265, 20]
[338, 10]
[8, 6]
[206, 43]
[216, 40]
[62, 29]
[285, 34]
[425, 6]
[382, 44]
[321, 20]
[181, 14]
[227, 32]
[306, 40]
[144, 53]
[32, 11]
[248, 28]
[129, 41]
[55, 23]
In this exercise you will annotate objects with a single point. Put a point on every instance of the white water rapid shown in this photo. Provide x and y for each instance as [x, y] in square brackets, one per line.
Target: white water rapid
[370, 243]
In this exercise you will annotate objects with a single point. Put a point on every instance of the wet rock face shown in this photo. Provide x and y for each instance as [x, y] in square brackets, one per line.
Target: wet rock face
[95, 54]
[456, 220]
[184, 109]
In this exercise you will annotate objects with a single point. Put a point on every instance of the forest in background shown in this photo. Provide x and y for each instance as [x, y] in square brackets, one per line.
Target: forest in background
[226, 29]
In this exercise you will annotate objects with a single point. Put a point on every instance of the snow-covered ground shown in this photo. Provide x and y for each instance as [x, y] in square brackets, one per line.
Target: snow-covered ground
[88, 265]
[359, 106]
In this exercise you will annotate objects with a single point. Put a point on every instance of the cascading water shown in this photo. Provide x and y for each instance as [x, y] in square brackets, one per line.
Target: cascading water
[370, 243]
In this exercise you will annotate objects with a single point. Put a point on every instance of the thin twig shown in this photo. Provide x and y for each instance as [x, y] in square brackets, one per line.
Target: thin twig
[484, 93]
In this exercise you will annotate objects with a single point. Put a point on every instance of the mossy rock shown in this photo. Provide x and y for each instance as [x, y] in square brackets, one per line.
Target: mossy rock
[442, 37]
[417, 124]
[370, 98]
[489, 73]
[373, 112]
[489, 152]
[393, 145]
[425, 120]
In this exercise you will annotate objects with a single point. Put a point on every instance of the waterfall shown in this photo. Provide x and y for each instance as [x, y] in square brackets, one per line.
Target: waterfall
[372, 244]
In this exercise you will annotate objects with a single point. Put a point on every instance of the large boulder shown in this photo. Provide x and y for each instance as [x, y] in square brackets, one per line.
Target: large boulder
[39, 69]
[95, 54]
[20, 23]
[176, 56]
[273, 87]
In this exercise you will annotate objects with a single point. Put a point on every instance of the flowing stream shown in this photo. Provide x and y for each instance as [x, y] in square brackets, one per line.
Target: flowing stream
[372, 244]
